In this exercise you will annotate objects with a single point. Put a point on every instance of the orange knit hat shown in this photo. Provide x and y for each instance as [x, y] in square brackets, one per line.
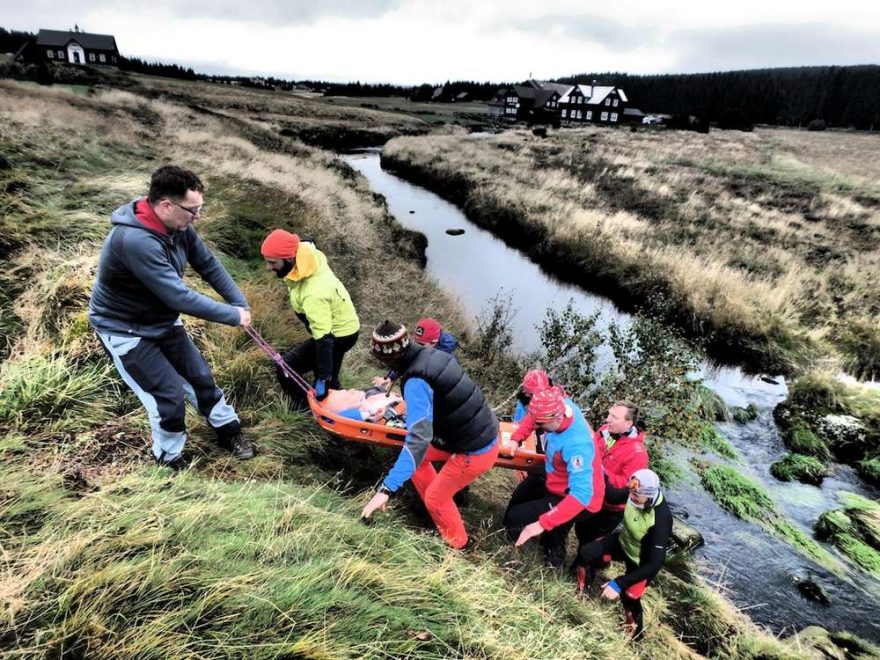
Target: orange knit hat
[280, 244]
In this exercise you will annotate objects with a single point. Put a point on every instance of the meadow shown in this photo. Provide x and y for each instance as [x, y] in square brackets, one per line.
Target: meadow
[763, 244]
[107, 556]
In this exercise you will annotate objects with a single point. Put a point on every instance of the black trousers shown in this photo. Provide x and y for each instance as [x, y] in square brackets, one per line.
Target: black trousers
[528, 502]
[599, 525]
[302, 358]
[593, 555]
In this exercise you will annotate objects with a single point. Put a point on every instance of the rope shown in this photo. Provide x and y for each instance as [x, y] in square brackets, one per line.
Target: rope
[285, 368]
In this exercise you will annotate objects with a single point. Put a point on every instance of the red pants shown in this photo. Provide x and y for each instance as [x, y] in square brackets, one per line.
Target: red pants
[436, 490]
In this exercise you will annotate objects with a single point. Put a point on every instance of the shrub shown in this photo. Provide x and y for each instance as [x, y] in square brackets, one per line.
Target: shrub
[743, 415]
[817, 125]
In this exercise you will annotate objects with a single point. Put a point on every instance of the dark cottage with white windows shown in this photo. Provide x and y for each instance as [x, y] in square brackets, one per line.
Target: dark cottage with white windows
[71, 47]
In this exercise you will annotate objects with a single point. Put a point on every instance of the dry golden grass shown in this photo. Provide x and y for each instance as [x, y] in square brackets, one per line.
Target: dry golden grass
[774, 234]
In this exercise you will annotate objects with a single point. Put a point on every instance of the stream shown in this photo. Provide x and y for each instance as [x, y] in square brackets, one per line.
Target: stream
[754, 569]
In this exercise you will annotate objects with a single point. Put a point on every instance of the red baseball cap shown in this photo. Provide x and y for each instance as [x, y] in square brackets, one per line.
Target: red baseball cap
[427, 331]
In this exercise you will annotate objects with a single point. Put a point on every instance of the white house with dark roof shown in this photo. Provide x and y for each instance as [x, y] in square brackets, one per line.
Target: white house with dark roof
[537, 101]
[597, 104]
[70, 47]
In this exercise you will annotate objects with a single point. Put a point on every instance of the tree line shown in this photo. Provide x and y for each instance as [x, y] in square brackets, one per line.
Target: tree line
[841, 96]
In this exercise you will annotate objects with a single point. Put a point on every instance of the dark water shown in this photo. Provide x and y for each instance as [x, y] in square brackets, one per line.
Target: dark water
[753, 568]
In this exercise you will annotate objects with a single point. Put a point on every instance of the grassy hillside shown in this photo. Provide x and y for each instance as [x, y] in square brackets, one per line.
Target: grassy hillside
[107, 556]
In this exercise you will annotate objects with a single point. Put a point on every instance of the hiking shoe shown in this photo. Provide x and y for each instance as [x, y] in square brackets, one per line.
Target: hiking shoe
[631, 627]
[178, 464]
[240, 447]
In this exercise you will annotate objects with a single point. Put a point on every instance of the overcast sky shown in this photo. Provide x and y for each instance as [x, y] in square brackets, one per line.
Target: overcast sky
[414, 41]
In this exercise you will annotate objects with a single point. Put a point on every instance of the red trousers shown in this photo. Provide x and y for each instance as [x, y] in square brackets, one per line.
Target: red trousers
[436, 489]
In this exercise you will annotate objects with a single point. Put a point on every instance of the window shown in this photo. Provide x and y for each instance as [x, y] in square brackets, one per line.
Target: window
[564, 113]
[613, 116]
[91, 57]
[589, 115]
[579, 114]
[113, 59]
[607, 101]
[60, 54]
[604, 116]
[51, 54]
[615, 103]
[102, 57]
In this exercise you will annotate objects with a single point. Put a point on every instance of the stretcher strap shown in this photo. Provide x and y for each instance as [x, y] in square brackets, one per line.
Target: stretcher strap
[285, 368]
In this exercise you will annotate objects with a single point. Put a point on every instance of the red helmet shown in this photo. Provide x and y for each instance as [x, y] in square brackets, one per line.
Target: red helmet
[548, 405]
[535, 381]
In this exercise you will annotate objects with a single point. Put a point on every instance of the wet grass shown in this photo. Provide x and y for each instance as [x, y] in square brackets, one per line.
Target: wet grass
[799, 467]
[855, 529]
[745, 499]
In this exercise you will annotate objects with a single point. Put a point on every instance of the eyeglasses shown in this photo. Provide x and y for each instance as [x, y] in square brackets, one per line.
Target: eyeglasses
[192, 210]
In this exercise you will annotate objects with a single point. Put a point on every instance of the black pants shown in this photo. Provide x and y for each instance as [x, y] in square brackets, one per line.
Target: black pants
[599, 525]
[302, 358]
[529, 501]
[595, 554]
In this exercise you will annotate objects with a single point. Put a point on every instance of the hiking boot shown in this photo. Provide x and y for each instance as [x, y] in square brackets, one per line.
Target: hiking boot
[631, 626]
[240, 447]
[178, 464]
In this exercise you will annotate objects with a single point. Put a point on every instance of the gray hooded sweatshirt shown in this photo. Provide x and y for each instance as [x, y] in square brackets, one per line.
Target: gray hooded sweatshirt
[139, 290]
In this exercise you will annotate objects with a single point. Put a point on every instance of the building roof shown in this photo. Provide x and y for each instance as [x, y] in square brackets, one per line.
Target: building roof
[60, 38]
[585, 90]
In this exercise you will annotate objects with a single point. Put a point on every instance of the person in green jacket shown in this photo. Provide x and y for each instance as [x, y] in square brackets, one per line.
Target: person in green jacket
[321, 301]
[641, 544]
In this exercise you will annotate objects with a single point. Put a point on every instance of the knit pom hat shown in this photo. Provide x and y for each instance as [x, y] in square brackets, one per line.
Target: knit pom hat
[427, 332]
[388, 341]
[548, 405]
[535, 381]
[280, 244]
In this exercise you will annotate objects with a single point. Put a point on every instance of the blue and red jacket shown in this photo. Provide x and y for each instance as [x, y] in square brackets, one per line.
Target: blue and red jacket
[573, 466]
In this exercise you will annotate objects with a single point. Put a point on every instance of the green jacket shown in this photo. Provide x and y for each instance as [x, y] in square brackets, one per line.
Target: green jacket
[318, 295]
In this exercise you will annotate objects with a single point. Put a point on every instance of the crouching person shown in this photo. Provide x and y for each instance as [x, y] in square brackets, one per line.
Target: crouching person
[447, 419]
[574, 487]
[641, 545]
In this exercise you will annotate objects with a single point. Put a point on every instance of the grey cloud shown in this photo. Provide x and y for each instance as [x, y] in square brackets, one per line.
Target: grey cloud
[277, 13]
[596, 29]
[770, 46]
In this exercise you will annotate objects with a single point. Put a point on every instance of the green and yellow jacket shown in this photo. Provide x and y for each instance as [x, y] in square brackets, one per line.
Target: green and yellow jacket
[318, 297]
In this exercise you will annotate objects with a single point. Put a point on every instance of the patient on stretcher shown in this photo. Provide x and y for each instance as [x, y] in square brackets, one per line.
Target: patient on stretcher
[373, 405]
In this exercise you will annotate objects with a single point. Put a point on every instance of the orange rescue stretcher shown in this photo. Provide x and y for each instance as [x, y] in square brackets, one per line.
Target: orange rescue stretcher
[525, 458]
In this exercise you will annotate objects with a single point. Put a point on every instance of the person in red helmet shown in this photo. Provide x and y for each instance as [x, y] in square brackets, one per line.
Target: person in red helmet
[574, 487]
[534, 381]
[623, 453]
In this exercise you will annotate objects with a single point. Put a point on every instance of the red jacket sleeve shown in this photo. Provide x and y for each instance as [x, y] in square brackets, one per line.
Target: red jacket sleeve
[524, 430]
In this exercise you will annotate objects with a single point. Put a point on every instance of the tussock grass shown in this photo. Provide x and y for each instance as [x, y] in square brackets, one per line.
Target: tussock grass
[807, 469]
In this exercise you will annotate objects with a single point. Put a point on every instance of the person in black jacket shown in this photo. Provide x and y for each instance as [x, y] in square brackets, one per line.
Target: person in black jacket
[641, 545]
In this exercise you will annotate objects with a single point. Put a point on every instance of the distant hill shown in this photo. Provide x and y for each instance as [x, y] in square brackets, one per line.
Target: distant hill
[842, 96]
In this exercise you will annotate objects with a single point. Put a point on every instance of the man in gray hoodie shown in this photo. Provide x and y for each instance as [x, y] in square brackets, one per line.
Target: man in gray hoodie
[138, 297]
